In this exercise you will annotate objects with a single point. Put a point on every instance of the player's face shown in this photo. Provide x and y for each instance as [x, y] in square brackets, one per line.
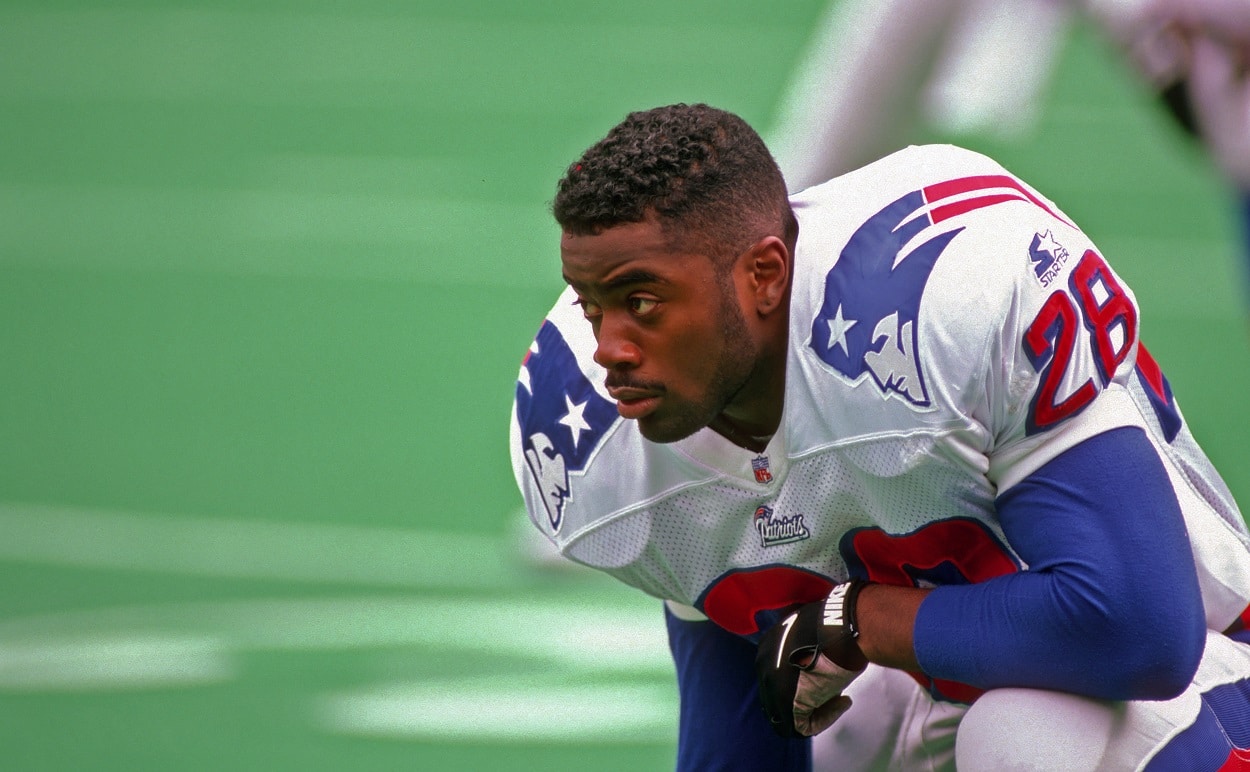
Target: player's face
[670, 327]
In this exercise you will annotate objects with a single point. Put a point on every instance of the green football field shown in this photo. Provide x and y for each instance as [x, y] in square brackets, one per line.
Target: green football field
[267, 271]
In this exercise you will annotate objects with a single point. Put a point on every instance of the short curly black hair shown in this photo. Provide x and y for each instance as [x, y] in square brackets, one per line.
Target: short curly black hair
[704, 173]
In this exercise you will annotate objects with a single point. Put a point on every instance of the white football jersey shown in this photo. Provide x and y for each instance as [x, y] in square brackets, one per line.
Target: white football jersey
[951, 331]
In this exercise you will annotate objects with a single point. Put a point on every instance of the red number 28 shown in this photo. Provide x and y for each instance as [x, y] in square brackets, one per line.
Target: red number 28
[1110, 319]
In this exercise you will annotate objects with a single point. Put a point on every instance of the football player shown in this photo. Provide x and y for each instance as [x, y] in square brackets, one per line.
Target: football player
[893, 456]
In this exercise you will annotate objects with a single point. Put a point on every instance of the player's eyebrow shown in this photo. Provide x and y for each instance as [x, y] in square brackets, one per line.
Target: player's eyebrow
[627, 279]
[636, 276]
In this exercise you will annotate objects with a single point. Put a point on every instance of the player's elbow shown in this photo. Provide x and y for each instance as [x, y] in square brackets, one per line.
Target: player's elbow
[1159, 673]
[1168, 666]
[1154, 654]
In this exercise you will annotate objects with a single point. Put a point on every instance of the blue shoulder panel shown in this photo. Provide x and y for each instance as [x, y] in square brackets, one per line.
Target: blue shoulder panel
[562, 418]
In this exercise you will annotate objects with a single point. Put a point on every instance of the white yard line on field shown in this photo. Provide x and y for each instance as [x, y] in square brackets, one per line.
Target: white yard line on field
[250, 549]
[571, 691]
[570, 673]
[501, 709]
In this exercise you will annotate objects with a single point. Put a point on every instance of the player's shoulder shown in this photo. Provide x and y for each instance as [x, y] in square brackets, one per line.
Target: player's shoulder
[909, 168]
[894, 218]
[901, 199]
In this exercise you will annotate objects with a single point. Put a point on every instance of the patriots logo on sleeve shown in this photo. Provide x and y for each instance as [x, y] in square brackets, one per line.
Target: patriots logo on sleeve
[867, 325]
[561, 416]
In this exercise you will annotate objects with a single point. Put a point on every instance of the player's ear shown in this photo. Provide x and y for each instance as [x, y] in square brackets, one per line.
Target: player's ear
[768, 266]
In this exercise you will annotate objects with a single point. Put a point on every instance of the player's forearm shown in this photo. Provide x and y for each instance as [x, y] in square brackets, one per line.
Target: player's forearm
[886, 617]
[1109, 607]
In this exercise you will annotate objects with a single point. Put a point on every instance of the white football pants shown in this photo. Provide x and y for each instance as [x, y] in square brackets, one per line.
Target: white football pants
[894, 725]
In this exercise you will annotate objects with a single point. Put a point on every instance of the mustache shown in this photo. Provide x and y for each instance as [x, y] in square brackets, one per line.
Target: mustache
[617, 381]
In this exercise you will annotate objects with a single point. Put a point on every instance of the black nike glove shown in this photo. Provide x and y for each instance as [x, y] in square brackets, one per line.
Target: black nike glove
[807, 659]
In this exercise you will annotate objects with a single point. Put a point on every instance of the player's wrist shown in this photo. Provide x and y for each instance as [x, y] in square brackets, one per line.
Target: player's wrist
[838, 634]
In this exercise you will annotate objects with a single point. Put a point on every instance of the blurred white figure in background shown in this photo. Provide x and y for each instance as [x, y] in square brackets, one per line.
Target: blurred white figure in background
[1197, 54]
[876, 69]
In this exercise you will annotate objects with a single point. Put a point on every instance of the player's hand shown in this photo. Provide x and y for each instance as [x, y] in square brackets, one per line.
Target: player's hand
[806, 661]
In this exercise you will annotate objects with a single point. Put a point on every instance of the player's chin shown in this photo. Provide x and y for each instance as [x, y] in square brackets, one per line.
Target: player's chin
[663, 426]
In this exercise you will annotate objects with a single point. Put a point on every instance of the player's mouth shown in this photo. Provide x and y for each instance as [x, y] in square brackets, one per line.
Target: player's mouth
[634, 403]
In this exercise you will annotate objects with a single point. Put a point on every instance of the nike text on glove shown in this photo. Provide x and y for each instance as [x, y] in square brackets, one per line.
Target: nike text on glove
[807, 659]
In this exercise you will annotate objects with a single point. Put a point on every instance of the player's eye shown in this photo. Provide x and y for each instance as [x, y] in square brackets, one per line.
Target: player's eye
[590, 310]
[641, 306]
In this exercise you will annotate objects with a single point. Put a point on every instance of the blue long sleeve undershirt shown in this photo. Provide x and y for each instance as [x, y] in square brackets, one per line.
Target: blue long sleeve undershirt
[1110, 606]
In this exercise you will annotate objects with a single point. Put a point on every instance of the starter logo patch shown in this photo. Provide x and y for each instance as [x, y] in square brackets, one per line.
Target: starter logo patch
[1048, 257]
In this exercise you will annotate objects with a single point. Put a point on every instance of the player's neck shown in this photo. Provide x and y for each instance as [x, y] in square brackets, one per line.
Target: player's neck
[743, 438]
[755, 414]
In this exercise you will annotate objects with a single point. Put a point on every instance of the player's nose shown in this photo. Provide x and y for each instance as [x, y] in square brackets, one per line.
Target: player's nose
[615, 349]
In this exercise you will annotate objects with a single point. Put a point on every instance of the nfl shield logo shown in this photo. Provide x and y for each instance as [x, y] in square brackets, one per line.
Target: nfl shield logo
[760, 467]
